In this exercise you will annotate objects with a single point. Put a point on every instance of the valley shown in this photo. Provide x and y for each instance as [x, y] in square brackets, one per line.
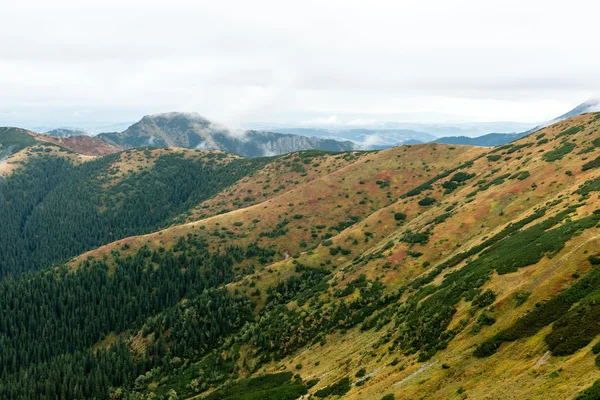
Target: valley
[420, 271]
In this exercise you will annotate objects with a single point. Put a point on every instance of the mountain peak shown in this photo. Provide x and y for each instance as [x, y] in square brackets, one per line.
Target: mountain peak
[193, 116]
[585, 107]
[191, 130]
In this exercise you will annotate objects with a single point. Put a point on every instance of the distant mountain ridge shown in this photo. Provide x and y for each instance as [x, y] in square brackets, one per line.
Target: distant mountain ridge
[191, 130]
[64, 132]
[499, 139]
[13, 140]
[491, 139]
[366, 137]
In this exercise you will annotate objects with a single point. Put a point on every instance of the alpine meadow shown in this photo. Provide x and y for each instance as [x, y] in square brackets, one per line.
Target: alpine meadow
[316, 200]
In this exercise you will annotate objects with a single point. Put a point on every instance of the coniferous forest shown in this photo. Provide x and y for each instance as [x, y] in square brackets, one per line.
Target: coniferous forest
[52, 210]
[370, 275]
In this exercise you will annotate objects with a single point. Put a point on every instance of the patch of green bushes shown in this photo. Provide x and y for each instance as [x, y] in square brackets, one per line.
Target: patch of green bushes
[413, 238]
[571, 131]
[589, 186]
[518, 147]
[426, 201]
[339, 388]
[545, 314]
[595, 163]
[485, 299]
[559, 153]
[399, 216]
[422, 325]
[591, 393]
[267, 387]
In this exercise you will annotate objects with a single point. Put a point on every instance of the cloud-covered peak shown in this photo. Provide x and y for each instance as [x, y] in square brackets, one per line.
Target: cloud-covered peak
[192, 116]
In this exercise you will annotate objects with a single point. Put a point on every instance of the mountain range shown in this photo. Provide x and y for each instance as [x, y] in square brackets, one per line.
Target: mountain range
[366, 138]
[190, 130]
[63, 132]
[421, 271]
[498, 139]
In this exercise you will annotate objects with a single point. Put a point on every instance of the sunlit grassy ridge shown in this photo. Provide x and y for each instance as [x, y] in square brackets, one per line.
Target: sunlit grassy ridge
[426, 271]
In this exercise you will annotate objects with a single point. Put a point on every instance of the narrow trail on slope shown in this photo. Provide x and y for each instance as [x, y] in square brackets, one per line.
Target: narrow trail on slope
[421, 369]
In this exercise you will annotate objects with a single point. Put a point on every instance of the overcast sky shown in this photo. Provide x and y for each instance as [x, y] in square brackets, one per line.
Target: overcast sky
[297, 62]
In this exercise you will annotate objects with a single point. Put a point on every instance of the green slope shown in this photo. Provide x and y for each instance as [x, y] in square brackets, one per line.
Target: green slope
[52, 210]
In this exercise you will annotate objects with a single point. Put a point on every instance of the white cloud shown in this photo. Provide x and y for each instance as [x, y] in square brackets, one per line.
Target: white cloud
[330, 120]
[239, 61]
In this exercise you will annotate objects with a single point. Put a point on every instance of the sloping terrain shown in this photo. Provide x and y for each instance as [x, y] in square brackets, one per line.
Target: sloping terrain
[13, 139]
[499, 139]
[56, 208]
[192, 131]
[491, 139]
[300, 218]
[80, 144]
[63, 132]
[18, 146]
[425, 271]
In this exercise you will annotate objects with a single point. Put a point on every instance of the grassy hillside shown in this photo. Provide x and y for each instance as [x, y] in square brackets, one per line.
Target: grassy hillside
[55, 209]
[12, 140]
[425, 271]
[299, 219]
[81, 144]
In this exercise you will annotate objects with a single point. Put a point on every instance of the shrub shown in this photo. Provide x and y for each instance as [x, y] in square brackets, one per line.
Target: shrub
[419, 189]
[594, 259]
[484, 299]
[591, 393]
[267, 387]
[518, 147]
[339, 388]
[412, 238]
[485, 319]
[595, 163]
[449, 186]
[521, 297]
[312, 382]
[523, 175]
[399, 216]
[586, 150]
[571, 131]
[426, 201]
[575, 329]
[559, 153]
[460, 177]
